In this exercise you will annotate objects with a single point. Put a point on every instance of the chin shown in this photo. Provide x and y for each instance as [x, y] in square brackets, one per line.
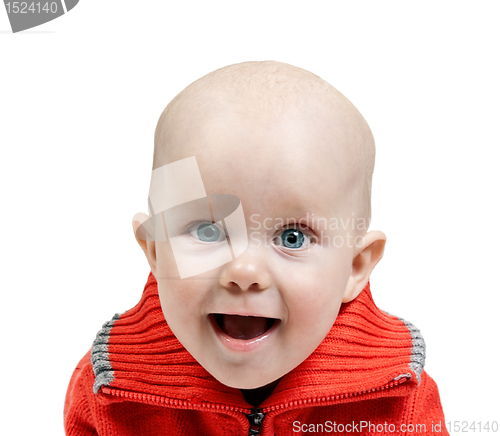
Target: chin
[236, 382]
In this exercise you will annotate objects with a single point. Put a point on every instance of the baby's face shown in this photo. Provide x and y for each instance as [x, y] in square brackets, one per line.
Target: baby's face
[255, 318]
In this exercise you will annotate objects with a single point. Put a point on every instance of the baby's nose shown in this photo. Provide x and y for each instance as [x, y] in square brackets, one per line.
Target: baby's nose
[248, 272]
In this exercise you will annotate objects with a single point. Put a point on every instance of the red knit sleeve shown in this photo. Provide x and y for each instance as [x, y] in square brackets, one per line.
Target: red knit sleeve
[78, 419]
[427, 409]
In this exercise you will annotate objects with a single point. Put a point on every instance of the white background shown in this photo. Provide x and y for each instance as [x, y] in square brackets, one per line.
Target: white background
[79, 101]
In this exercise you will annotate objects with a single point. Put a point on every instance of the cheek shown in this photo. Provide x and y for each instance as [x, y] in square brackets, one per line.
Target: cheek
[166, 267]
[315, 283]
[316, 310]
[313, 295]
[178, 296]
[184, 300]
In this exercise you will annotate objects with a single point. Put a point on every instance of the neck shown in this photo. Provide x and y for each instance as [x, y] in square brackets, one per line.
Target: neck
[256, 396]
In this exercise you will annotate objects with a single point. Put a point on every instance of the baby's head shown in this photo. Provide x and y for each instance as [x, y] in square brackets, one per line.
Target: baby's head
[299, 157]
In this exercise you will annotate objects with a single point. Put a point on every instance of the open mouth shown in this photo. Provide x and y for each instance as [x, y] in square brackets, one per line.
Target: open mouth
[243, 327]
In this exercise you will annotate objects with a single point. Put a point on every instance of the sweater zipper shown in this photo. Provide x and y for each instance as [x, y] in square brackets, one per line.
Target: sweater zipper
[255, 418]
[256, 415]
[236, 412]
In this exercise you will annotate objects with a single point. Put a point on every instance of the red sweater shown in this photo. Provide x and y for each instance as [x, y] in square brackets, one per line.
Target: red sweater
[366, 377]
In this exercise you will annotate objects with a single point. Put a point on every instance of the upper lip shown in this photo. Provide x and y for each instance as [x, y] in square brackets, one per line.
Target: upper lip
[239, 313]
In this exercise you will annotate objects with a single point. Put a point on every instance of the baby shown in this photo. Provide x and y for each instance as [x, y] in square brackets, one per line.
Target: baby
[257, 317]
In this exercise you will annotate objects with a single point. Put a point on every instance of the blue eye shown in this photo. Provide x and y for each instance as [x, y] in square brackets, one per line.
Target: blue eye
[291, 238]
[208, 232]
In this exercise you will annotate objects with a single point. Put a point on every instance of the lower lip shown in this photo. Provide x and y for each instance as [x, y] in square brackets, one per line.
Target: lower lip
[243, 344]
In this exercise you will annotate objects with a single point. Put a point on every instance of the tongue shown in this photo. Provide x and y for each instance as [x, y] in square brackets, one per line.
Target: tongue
[243, 327]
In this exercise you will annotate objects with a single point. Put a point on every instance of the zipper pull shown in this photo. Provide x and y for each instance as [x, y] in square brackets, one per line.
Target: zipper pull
[255, 418]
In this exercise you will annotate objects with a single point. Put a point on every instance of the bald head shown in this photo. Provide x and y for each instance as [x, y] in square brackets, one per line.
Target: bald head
[264, 94]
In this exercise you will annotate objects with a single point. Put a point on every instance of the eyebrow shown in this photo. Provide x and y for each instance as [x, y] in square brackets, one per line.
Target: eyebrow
[311, 218]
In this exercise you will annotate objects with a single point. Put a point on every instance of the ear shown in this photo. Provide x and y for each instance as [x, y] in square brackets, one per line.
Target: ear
[148, 247]
[368, 255]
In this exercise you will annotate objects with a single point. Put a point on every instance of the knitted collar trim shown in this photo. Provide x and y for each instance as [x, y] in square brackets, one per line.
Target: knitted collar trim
[365, 350]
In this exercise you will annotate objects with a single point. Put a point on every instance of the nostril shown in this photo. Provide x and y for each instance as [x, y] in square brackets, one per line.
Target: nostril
[233, 286]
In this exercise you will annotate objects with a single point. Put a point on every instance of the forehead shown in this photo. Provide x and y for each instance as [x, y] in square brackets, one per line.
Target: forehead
[290, 163]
